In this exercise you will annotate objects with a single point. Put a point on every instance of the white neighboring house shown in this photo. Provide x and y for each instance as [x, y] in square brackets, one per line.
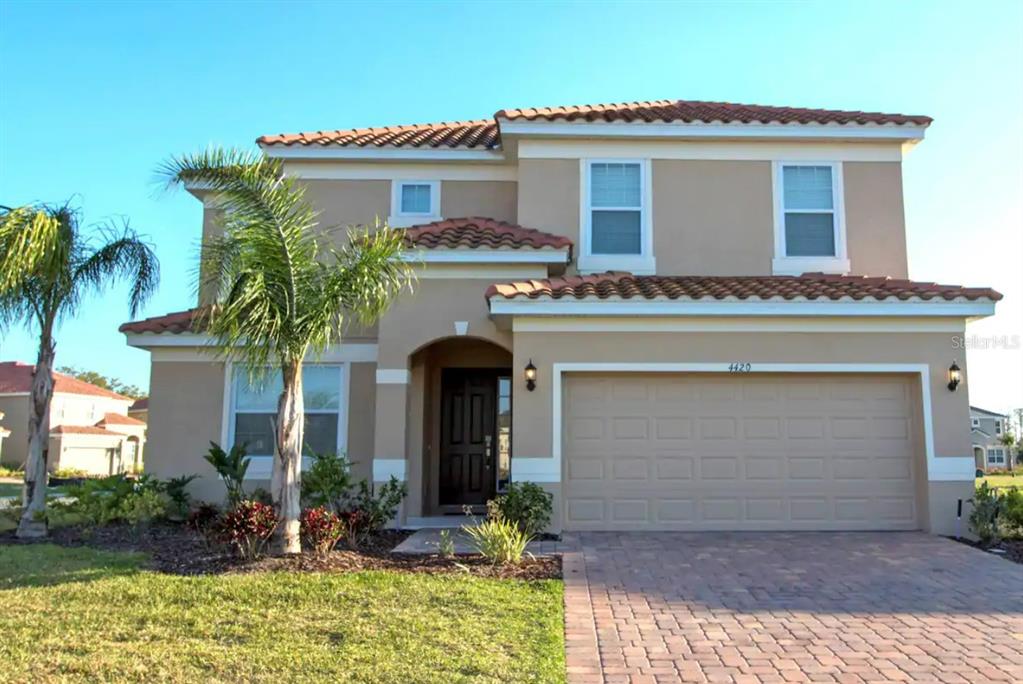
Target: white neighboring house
[90, 429]
[986, 431]
[4, 432]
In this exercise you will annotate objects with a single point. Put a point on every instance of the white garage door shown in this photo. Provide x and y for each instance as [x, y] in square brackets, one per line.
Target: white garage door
[739, 452]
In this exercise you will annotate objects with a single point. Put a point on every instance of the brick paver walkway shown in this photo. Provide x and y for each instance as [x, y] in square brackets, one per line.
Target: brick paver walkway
[778, 607]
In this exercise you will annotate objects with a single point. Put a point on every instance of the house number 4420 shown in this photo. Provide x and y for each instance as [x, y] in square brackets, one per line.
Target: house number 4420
[739, 367]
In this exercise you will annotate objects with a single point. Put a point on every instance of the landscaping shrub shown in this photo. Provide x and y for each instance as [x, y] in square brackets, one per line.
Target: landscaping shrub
[356, 526]
[985, 513]
[499, 541]
[205, 521]
[328, 482]
[6, 471]
[322, 529]
[142, 506]
[527, 505]
[380, 507]
[1012, 513]
[249, 526]
[105, 500]
[446, 545]
[176, 489]
[70, 473]
[231, 467]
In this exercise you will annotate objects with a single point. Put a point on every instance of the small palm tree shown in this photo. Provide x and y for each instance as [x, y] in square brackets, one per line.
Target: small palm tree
[279, 291]
[47, 265]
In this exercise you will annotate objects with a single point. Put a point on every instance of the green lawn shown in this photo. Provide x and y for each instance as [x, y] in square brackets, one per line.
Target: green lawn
[76, 614]
[14, 489]
[1003, 480]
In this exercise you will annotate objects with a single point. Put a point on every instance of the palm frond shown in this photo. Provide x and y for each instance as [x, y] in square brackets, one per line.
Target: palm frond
[123, 255]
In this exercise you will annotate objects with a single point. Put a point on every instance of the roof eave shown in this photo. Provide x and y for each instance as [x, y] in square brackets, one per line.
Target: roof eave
[317, 151]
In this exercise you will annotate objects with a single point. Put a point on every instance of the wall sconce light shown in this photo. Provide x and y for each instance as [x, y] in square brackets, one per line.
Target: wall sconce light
[955, 376]
[530, 376]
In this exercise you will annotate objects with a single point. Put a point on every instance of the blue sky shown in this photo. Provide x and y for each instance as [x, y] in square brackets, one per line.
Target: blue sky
[93, 96]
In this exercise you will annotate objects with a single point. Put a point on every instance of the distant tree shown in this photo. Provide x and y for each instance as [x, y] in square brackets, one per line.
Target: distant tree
[47, 266]
[100, 380]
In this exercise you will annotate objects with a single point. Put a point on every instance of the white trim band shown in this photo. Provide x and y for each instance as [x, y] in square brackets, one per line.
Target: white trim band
[386, 468]
[488, 256]
[679, 129]
[735, 307]
[393, 376]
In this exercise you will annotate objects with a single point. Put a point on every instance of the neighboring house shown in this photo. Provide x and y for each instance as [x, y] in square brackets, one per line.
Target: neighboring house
[139, 410]
[987, 429]
[644, 264]
[90, 429]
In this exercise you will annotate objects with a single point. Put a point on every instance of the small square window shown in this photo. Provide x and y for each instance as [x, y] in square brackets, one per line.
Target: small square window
[974, 422]
[416, 198]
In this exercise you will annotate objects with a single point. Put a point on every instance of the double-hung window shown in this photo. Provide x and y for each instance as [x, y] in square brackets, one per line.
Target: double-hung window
[996, 456]
[998, 427]
[616, 227]
[414, 202]
[809, 218]
[254, 410]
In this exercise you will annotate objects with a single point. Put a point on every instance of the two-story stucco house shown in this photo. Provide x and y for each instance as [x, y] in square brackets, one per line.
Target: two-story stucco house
[710, 302]
[90, 429]
[987, 429]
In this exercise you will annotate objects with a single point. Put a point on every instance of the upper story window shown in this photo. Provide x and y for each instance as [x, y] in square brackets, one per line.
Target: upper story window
[414, 202]
[998, 427]
[616, 231]
[254, 408]
[809, 231]
[975, 422]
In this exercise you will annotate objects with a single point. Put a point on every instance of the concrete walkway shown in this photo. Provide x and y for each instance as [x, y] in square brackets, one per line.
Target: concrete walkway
[779, 607]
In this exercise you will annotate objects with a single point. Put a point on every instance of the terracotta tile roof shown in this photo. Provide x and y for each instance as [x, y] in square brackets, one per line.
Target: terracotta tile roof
[176, 322]
[688, 111]
[810, 286]
[486, 133]
[478, 232]
[83, 430]
[473, 134]
[119, 419]
[17, 377]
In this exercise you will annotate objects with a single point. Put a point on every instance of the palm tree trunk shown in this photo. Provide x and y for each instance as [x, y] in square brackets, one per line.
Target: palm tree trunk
[287, 472]
[33, 520]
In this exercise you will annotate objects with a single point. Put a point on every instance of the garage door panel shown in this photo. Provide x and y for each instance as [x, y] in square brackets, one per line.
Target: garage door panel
[660, 451]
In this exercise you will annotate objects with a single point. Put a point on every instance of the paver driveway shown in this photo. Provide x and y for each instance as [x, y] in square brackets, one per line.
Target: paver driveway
[774, 607]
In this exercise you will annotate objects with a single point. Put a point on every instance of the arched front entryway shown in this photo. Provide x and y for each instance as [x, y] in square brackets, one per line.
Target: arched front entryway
[979, 456]
[460, 425]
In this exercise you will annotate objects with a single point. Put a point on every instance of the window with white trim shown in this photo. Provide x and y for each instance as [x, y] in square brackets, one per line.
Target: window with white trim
[615, 216]
[414, 201]
[809, 218]
[996, 456]
[998, 427]
[975, 422]
[254, 408]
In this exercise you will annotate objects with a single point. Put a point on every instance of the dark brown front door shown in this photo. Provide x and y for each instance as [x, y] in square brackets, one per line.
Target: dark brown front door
[467, 436]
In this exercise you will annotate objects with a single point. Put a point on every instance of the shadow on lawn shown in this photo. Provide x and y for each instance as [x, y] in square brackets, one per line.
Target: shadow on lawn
[46, 565]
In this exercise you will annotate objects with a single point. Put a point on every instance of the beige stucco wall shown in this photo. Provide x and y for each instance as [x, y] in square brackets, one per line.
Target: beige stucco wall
[532, 424]
[185, 408]
[717, 217]
[875, 218]
[15, 449]
[493, 199]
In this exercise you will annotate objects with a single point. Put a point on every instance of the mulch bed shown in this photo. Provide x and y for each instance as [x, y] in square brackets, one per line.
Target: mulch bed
[175, 549]
[1012, 549]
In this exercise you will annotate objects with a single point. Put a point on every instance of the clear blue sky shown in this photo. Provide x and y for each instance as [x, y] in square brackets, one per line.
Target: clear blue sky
[94, 95]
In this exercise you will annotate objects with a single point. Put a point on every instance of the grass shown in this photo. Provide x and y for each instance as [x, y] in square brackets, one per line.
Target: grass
[77, 614]
[13, 489]
[1003, 480]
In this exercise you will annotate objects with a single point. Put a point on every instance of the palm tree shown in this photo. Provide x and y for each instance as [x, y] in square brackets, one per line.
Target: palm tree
[47, 265]
[279, 291]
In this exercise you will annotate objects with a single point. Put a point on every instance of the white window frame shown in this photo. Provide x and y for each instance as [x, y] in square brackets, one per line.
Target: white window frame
[643, 263]
[975, 422]
[261, 466]
[797, 265]
[404, 219]
[996, 451]
[998, 427]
